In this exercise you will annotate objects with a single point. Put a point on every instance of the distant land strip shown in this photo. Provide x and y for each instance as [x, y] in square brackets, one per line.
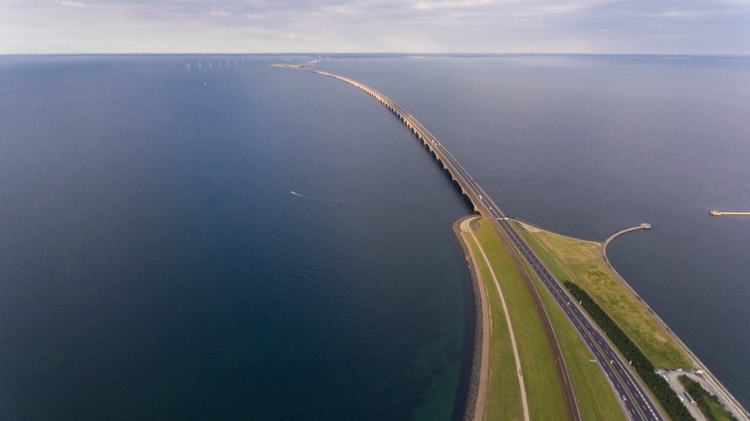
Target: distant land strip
[717, 213]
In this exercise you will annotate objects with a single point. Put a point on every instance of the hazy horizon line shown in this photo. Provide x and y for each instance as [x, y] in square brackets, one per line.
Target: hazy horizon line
[388, 54]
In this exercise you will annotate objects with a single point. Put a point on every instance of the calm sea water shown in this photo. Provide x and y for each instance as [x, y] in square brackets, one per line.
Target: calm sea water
[154, 262]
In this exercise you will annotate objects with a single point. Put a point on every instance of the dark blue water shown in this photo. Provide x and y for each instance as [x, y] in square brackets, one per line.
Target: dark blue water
[587, 146]
[155, 264]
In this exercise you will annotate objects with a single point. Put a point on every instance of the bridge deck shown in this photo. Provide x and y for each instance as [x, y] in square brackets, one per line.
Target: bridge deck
[470, 188]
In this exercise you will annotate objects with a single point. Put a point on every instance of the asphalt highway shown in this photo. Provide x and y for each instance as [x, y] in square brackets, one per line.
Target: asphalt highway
[628, 389]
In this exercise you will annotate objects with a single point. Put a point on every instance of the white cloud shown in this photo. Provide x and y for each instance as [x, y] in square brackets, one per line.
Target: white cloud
[72, 3]
[220, 12]
[433, 5]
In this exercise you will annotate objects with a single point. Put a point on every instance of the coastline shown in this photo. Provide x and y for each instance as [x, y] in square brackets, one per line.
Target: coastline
[725, 395]
[477, 387]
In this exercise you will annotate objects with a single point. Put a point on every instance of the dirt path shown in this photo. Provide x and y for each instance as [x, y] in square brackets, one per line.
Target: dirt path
[485, 371]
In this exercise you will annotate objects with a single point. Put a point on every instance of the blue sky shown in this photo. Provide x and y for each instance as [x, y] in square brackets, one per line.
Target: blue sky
[404, 26]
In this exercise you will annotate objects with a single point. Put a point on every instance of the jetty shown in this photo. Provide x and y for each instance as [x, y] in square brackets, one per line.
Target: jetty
[643, 226]
[609, 239]
[717, 213]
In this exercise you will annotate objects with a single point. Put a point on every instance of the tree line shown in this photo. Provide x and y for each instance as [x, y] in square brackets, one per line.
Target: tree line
[660, 388]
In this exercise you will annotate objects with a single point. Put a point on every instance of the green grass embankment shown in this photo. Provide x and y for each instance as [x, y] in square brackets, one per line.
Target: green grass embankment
[588, 380]
[504, 394]
[582, 262]
[543, 388]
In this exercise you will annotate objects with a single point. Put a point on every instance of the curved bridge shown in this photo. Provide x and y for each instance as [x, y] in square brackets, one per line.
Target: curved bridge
[638, 405]
[467, 184]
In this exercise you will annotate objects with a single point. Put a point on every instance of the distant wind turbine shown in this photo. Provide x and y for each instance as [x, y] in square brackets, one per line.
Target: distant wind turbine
[199, 65]
[235, 62]
[188, 66]
[210, 65]
[243, 62]
[227, 63]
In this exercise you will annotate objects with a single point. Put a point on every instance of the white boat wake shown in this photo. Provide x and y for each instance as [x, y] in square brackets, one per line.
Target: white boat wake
[330, 199]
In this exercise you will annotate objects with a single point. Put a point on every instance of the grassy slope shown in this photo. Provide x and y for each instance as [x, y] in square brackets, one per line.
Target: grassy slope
[503, 396]
[581, 262]
[542, 384]
[588, 380]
